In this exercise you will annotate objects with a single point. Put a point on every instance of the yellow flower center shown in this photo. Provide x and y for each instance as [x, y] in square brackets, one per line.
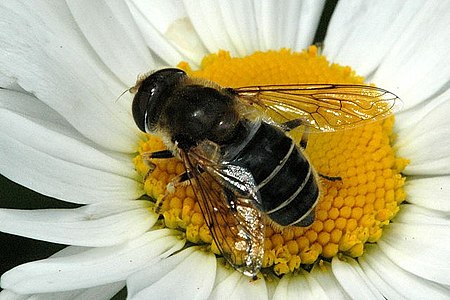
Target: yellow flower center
[351, 212]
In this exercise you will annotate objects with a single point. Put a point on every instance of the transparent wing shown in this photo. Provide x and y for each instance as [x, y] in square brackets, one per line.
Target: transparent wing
[326, 107]
[228, 199]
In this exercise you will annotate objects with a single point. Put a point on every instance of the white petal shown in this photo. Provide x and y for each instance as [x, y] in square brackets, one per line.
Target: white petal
[241, 26]
[154, 40]
[188, 274]
[60, 69]
[30, 121]
[421, 249]
[70, 250]
[209, 23]
[10, 295]
[418, 64]
[93, 267]
[95, 225]
[60, 179]
[256, 25]
[105, 292]
[310, 13]
[246, 26]
[408, 119]
[395, 283]
[426, 144]
[98, 293]
[318, 284]
[8, 82]
[42, 152]
[413, 214]
[287, 24]
[430, 192]
[168, 30]
[114, 37]
[361, 33]
[271, 285]
[231, 284]
[353, 280]
[293, 286]
[323, 275]
[405, 43]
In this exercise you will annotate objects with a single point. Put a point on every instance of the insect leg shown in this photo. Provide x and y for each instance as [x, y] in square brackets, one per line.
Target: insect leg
[304, 140]
[295, 123]
[292, 124]
[330, 178]
[157, 154]
[180, 180]
[147, 156]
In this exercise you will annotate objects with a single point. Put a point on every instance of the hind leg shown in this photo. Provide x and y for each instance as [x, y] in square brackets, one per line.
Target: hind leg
[330, 178]
[292, 124]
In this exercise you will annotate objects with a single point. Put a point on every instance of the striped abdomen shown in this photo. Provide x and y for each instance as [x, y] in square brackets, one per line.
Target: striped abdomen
[286, 181]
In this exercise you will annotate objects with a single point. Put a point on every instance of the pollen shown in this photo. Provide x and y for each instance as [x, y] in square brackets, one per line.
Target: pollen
[351, 211]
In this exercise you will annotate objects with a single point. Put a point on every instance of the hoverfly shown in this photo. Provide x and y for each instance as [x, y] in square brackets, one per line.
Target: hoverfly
[245, 170]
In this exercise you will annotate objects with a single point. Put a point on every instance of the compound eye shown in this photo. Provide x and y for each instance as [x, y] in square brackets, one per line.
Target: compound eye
[152, 93]
[139, 108]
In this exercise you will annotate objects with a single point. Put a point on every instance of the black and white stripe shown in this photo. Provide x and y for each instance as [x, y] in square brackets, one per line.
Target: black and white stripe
[287, 184]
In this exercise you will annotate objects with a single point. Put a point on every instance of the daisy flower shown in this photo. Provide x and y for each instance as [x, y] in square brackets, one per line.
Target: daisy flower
[382, 231]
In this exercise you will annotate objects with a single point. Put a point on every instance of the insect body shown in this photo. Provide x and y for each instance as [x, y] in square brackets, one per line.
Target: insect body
[244, 169]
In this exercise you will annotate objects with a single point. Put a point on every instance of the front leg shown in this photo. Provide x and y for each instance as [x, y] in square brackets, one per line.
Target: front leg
[180, 180]
[147, 156]
[157, 154]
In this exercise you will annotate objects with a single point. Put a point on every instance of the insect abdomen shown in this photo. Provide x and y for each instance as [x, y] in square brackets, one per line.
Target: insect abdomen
[285, 179]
